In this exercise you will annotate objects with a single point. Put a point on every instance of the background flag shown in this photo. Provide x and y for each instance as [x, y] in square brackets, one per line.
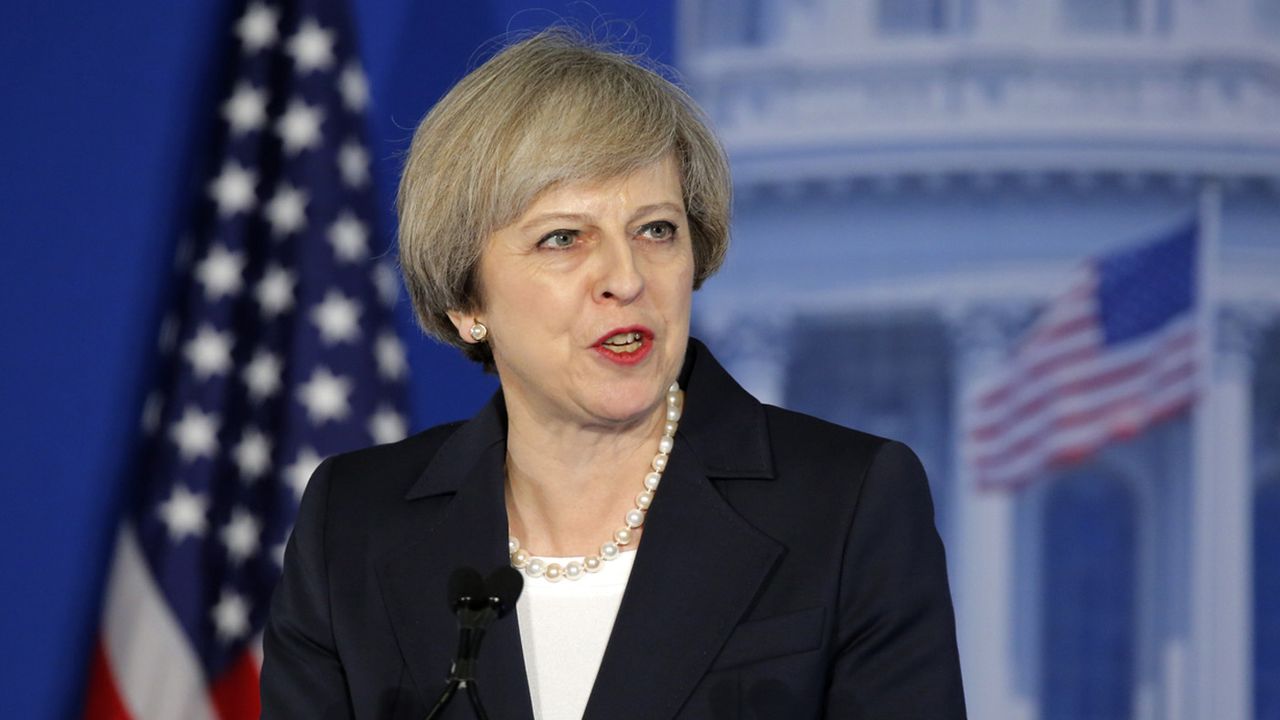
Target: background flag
[1112, 355]
[277, 351]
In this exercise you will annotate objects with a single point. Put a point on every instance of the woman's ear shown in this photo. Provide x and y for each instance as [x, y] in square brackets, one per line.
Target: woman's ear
[467, 325]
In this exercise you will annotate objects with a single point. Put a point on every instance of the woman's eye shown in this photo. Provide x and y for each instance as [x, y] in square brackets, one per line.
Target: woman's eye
[558, 239]
[661, 230]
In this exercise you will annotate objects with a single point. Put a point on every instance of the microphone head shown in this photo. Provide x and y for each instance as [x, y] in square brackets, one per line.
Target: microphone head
[466, 587]
[504, 586]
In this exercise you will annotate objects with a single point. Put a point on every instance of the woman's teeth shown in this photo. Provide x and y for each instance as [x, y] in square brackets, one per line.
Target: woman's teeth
[624, 342]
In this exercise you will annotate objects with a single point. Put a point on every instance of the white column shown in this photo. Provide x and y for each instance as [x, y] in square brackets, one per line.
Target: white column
[1221, 682]
[983, 560]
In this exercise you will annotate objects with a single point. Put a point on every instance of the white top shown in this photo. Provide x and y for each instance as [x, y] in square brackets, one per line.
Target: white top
[564, 627]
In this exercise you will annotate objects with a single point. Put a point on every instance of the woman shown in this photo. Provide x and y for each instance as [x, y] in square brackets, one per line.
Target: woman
[687, 551]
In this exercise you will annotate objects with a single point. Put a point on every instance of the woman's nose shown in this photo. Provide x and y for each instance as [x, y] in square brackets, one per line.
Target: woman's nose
[620, 278]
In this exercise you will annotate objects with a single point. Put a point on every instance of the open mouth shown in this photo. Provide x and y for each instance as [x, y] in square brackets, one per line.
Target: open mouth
[624, 342]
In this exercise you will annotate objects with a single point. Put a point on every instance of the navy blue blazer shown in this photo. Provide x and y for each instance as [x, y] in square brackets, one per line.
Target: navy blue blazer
[789, 568]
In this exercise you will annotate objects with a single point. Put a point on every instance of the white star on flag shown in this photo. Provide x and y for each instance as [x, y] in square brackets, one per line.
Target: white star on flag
[354, 87]
[253, 454]
[389, 352]
[349, 237]
[257, 28]
[337, 317]
[311, 47]
[220, 272]
[196, 434]
[353, 164]
[151, 409]
[388, 284]
[233, 189]
[299, 127]
[387, 426]
[231, 616]
[299, 472]
[246, 109]
[240, 535]
[209, 352]
[183, 513]
[286, 211]
[325, 396]
[275, 291]
[168, 336]
[262, 375]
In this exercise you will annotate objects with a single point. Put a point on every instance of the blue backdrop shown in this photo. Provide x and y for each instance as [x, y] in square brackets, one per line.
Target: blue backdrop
[104, 106]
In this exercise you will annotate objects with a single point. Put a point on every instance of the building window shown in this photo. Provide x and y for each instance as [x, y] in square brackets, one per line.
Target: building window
[1266, 601]
[923, 17]
[1268, 12]
[731, 23]
[1105, 17]
[1089, 616]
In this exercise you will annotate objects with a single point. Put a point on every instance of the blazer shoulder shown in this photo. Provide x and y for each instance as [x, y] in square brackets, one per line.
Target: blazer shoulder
[796, 431]
[392, 467]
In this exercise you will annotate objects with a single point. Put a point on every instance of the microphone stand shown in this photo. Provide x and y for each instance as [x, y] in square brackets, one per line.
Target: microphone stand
[477, 603]
[473, 623]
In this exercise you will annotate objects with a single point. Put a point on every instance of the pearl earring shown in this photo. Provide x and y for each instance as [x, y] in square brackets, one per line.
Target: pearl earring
[479, 332]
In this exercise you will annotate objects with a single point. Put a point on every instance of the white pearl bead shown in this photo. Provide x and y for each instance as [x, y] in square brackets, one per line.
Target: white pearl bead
[535, 568]
[669, 429]
[553, 572]
[660, 462]
[622, 536]
[652, 479]
[674, 387]
[673, 399]
[609, 551]
[665, 444]
[592, 564]
[644, 500]
[635, 518]
[673, 413]
[573, 570]
[519, 558]
[512, 544]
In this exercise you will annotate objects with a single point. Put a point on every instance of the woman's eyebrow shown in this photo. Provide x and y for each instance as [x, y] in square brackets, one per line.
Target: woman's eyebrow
[671, 206]
[571, 218]
[584, 219]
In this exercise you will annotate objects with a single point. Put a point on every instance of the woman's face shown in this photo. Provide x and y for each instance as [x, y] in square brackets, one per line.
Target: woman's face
[587, 297]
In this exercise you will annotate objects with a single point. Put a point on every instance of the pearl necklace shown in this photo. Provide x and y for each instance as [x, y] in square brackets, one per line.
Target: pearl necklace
[536, 567]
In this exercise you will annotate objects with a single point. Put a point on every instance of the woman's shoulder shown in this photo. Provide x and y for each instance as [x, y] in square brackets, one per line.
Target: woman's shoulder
[795, 433]
[386, 472]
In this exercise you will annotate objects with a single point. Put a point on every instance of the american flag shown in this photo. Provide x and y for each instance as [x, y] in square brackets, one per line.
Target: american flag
[278, 350]
[1112, 355]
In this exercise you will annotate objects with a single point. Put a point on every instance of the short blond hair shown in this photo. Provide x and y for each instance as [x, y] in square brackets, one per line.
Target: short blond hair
[550, 109]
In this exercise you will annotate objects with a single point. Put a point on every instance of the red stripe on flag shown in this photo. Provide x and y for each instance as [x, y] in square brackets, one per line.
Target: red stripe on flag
[102, 700]
[235, 693]
[1111, 412]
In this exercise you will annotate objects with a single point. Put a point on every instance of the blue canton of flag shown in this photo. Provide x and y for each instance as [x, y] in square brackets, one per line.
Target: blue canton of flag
[278, 351]
[1106, 359]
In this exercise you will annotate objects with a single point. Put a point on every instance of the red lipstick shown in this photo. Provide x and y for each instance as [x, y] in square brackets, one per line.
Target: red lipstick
[625, 353]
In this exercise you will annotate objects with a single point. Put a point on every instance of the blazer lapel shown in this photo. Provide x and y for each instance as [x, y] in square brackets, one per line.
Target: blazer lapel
[469, 530]
[700, 565]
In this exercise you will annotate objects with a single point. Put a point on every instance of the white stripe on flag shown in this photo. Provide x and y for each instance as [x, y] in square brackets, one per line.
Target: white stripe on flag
[1167, 356]
[1087, 437]
[1028, 389]
[156, 673]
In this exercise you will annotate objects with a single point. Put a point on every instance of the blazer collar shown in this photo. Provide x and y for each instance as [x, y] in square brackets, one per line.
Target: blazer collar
[723, 424]
[698, 571]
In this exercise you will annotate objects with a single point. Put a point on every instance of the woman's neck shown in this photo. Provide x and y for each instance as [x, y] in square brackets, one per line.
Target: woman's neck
[568, 486]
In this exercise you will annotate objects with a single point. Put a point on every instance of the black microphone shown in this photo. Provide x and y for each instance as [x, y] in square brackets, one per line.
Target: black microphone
[476, 603]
